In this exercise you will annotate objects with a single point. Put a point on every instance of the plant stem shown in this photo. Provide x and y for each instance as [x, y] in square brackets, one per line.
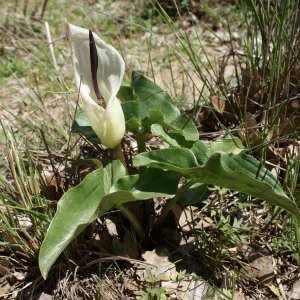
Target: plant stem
[133, 221]
[168, 207]
[117, 153]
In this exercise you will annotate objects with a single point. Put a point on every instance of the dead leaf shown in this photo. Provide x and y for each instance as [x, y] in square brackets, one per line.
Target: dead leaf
[275, 290]
[177, 211]
[250, 132]
[7, 237]
[4, 288]
[293, 149]
[226, 109]
[189, 219]
[218, 103]
[4, 271]
[113, 226]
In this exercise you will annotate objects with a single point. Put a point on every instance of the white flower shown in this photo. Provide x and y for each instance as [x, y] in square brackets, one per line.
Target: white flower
[98, 70]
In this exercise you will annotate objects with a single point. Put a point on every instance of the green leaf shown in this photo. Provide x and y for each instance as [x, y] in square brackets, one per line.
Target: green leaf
[201, 152]
[158, 130]
[227, 145]
[82, 125]
[174, 139]
[208, 296]
[154, 106]
[150, 184]
[75, 210]
[126, 93]
[99, 192]
[193, 194]
[140, 187]
[238, 172]
[151, 96]
[174, 159]
[115, 171]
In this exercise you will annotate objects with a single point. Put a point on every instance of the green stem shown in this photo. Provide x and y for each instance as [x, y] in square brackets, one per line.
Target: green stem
[133, 221]
[168, 207]
[117, 153]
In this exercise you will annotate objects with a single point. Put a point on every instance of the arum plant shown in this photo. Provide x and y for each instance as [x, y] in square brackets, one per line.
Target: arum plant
[98, 79]
[99, 70]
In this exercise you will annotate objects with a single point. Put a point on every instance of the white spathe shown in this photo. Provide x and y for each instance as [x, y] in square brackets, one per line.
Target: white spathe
[108, 123]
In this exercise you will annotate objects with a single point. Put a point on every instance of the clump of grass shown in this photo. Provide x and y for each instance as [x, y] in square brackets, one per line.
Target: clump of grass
[260, 101]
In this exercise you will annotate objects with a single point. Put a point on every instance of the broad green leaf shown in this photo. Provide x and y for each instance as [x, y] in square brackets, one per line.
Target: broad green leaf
[151, 96]
[149, 185]
[82, 125]
[193, 194]
[227, 145]
[75, 210]
[99, 192]
[115, 171]
[140, 187]
[201, 152]
[126, 93]
[158, 130]
[174, 139]
[238, 172]
[174, 159]
[154, 106]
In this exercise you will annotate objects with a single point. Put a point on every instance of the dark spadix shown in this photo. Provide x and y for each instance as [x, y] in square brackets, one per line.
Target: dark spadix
[94, 65]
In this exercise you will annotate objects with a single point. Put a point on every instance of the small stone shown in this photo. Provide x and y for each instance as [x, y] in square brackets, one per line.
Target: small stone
[45, 297]
[295, 291]
[260, 265]
[160, 259]
[192, 289]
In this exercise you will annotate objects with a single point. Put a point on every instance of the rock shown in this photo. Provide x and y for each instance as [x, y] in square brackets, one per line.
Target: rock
[160, 259]
[295, 291]
[45, 297]
[260, 265]
[192, 289]
[227, 285]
